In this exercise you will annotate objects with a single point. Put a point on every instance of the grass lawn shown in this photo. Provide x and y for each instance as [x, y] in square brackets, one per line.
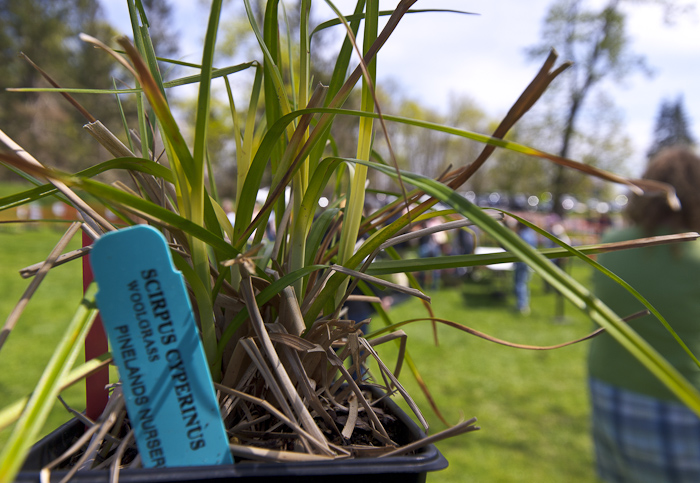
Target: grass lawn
[532, 406]
[41, 326]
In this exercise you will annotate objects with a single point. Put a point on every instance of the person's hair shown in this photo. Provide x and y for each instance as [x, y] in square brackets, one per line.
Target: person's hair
[679, 167]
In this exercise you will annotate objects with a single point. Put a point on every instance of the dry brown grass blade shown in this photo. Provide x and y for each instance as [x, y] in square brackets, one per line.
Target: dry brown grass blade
[299, 133]
[114, 145]
[352, 385]
[108, 140]
[379, 281]
[110, 417]
[315, 287]
[256, 356]
[465, 427]
[74, 448]
[364, 298]
[229, 303]
[32, 270]
[394, 380]
[77, 414]
[495, 340]
[651, 185]
[527, 99]
[263, 454]
[90, 228]
[98, 43]
[398, 334]
[111, 413]
[68, 97]
[14, 316]
[24, 161]
[247, 424]
[370, 85]
[236, 367]
[231, 403]
[276, 413]
[323, 334]
[450, 225]
[290, 312]
[117, 460]
[637, 186]
[290, 349]
[352, 346]
[349, 427]
[292, 341]
[256, 321]
[648, 242]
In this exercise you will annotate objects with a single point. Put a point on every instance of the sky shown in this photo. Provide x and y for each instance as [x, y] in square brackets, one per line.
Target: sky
[437, 56]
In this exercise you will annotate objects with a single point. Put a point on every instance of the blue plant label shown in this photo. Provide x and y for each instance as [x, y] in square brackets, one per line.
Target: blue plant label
[155, 343]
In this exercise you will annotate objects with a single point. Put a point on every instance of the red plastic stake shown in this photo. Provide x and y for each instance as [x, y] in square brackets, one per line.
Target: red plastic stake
[96, 394]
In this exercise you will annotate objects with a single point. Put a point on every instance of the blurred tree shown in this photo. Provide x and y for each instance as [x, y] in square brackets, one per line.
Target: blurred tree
[600, 140]
[671, 127]
[594, 38]
[44, 123]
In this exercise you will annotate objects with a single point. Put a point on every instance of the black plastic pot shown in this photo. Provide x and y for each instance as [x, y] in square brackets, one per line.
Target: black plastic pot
[398, 469]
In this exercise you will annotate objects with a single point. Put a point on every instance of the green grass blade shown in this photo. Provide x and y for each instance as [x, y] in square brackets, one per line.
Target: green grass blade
[144, 128]
[215, 73]
[204, 96]
[182, 158]
[305, 217]
[130, 164]
[150, 56]
[269, 47]
[12, 412]
[44, 396]
[244, 157]
[386, 267]
[340, 70]
[356, 200]
[202, 294]
[567, 286]
[577, 253]
[122, 115]
[318, 231]
[165, 216]
[195, 192]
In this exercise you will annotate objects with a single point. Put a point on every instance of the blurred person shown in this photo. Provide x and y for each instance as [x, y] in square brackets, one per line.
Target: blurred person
[464, 242]
[522, 272]
[431, 246]
[641, 431]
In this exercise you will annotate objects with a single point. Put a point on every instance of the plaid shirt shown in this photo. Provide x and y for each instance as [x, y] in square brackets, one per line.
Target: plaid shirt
[642, 439]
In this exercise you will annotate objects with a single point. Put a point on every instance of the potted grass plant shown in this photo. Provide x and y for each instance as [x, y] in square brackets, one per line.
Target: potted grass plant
[285, 360]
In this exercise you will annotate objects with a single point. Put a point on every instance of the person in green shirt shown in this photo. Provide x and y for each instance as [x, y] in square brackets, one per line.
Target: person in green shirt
[641, 432]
